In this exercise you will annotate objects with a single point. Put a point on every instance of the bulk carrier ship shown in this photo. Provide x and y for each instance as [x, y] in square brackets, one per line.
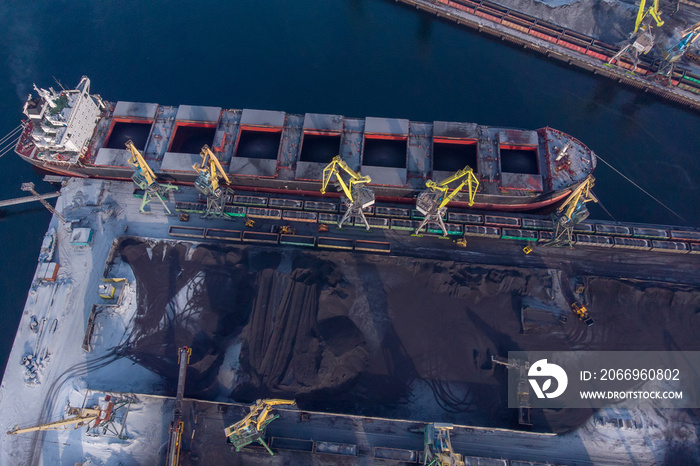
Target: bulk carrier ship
[75, 133]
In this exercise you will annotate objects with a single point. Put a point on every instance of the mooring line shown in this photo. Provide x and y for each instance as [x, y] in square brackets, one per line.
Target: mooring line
[14, 131]
[7, 149]
[640, 188]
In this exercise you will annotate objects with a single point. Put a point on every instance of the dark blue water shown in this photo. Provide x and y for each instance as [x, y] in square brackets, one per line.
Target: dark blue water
[351, 57]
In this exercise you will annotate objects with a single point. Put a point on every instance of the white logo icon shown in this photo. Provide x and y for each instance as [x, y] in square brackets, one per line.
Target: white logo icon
[544, 369]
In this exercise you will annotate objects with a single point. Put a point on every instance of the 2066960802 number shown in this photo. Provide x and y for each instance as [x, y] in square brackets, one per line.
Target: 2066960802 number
[640, 374]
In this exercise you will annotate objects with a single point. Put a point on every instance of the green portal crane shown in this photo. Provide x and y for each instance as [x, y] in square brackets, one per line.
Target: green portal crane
[145, 179]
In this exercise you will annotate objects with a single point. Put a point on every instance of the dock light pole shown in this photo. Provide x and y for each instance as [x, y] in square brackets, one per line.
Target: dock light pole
[30, 187]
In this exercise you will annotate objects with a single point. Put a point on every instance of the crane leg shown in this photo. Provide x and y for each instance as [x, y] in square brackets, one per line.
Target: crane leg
[438, 218]
[157, 194]
[433, 217]
[364, 219]
[345, 217]
[264, 444]
[422, 224]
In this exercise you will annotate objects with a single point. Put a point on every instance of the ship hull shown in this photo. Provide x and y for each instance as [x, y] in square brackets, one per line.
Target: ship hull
[310, 189]
[281, 153]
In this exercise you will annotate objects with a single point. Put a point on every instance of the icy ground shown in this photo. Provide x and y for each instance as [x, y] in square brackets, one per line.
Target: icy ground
[60, 373]
[59, 369]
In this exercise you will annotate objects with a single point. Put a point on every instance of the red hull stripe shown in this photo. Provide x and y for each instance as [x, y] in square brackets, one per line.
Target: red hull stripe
[466, 142]
[517, 147]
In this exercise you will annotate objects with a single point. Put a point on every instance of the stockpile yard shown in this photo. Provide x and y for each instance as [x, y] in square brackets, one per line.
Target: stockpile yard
[645, 45]
[376, 335]
[407, 337]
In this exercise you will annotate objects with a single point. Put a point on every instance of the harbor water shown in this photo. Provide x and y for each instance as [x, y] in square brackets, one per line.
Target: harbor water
[350, 57]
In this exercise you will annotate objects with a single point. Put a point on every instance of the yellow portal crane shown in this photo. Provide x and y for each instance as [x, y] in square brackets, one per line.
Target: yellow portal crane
[642, 38]
[653, 11]
[438, 447]
[252, 427]
[80, 417]
[357, 196]
[572, 211]
[207, 182]
[145, 179]
[433, 203]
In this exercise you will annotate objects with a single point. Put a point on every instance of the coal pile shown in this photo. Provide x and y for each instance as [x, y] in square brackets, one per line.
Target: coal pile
[378, 335]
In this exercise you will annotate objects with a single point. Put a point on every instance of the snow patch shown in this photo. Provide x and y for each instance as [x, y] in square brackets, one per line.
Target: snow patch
[229, 369]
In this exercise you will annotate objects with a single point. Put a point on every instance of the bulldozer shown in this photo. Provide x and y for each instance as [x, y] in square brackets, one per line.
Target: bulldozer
[582, 313]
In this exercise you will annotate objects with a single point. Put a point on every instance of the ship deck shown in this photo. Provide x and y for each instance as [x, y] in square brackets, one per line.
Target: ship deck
[274, 149]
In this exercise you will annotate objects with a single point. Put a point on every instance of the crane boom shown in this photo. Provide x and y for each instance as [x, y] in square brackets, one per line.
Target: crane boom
[653, 11]
[207, 183]
[695, 28]
[642, 37]
[140, 164]
[210, 164]
[252, 427]
[582, 193]
[332, 169]
[357, 196]
[688, 36]
[258, 415]
[442, 186]
[268, 404]
[145, 179]
[433, 202]
[85, 416]
[572, 211]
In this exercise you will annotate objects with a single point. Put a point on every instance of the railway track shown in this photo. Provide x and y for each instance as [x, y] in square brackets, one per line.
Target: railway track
[597, 53]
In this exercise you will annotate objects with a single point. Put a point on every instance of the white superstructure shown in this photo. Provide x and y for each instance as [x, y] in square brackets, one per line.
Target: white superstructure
[63, 122]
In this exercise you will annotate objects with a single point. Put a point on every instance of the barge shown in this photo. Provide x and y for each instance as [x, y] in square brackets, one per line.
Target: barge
[75, 133]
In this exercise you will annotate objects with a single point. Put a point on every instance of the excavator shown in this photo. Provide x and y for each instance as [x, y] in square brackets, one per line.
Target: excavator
[438, 448]
[252, 427]
[145, 179]
[572, 212]
[207, 183]
[78, 417]
[433, 203]
[674, 54]
[357, 196]
[642, 38]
